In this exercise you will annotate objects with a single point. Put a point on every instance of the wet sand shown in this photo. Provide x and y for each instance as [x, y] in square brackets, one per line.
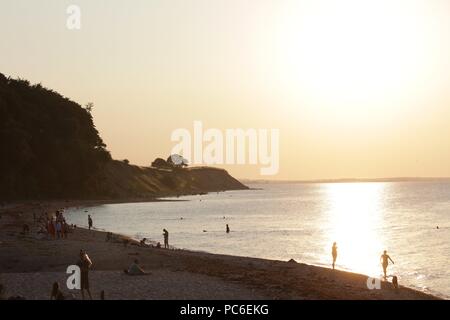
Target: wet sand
[29, 265]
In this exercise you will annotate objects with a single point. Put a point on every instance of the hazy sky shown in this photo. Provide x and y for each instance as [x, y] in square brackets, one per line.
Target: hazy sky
[357, 88]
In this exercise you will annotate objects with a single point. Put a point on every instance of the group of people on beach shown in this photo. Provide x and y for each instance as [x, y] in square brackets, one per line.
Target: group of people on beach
[54, 226]
[385, 258]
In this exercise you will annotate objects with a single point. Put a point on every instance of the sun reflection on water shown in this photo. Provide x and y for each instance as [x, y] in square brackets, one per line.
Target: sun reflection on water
[354, 222]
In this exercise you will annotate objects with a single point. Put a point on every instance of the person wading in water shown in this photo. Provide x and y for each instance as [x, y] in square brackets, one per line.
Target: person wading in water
[334, 253]
[385, 262]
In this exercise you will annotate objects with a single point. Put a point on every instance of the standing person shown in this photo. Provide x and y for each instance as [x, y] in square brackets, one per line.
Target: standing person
[51, 228]
[334, 253]
[89, 221]
[85, 263]
[228, 229]
[384, 262]
[58, 229]
[65, 228]
[166, 238]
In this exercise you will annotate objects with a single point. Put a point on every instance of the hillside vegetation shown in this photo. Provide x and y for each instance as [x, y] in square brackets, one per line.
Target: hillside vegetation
[51, 149]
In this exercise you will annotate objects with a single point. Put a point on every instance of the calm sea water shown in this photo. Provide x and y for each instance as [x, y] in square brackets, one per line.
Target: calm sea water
[301, 221]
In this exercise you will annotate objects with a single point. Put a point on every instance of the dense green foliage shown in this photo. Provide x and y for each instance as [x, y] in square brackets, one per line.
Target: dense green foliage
[49, 145]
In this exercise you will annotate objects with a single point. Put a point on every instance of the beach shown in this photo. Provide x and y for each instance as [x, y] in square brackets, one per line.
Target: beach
[30, 265]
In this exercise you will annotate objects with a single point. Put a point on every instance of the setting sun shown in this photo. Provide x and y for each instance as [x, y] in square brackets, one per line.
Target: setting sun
[225, 150]
[357, 57]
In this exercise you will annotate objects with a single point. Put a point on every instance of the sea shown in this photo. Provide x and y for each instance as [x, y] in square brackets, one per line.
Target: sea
[301, 221]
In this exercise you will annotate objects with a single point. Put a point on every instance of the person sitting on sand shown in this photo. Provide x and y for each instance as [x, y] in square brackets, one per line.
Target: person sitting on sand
[85, 263]
[25, 229]
[135, 269]
[142, 243]
[166, 238]
[384, 262]
[158, 245]
[334, 253]
[56, 294]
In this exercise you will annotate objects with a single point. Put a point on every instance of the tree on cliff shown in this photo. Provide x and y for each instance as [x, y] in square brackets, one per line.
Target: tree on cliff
[49, 145]
[160, 163]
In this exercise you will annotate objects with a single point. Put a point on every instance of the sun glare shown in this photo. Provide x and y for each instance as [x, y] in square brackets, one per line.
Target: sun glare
[352, 55]
[354, 222]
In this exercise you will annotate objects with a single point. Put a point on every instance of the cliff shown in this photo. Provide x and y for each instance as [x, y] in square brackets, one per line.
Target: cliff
[121, 180]
[50, 149]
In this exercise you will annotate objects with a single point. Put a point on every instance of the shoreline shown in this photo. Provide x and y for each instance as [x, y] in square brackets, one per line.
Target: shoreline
[214, 276]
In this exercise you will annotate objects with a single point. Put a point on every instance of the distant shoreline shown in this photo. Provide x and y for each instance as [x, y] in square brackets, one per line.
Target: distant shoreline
[347, 180]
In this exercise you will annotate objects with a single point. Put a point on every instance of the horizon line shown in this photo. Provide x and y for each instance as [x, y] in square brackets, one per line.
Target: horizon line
[349, 180]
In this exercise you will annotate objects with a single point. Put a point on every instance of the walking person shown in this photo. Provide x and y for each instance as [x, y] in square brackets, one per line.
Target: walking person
[166, 238]
[385, 262]
[228, 229]
[334, 253]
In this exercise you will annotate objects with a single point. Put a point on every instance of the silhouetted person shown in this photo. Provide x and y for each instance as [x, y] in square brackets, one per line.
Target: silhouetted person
[90, 221]
[102, 295]
[166, 238]
[56, 294]
[228, 229]
[25, 229]
[395, 282]
[334, 253]
[142, 242]
[85, 263]
[385, 262]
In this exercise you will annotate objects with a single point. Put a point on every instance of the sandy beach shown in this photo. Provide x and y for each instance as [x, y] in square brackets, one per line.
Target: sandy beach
[30, 264]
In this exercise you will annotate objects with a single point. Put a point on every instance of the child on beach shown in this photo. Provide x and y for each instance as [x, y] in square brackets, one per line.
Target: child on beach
[56, 294]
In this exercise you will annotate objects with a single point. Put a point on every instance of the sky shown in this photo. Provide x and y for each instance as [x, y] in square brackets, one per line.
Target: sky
[357, 89]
